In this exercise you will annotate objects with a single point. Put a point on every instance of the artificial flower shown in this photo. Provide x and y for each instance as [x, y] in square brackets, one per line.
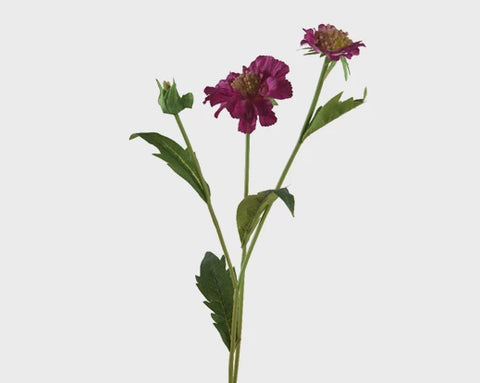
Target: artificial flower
[332, 42]
[249, 95]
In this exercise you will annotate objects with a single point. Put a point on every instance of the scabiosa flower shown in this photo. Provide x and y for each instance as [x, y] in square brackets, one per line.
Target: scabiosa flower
[332, 42]
[249, 95]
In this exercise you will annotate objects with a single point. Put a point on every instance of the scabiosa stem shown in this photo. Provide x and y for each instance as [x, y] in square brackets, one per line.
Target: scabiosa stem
[241, 286]
[316, 95]
[241, 289]
[233, 337]
[209, 201]
[237, 317]
[247, 164]
[321, 80]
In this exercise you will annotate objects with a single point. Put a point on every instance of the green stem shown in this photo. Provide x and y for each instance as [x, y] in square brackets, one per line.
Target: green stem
[209, 201]
[313, 105]
[316, 95]
[247, 164]
[241, 288]
[241, 284]
[233, 337]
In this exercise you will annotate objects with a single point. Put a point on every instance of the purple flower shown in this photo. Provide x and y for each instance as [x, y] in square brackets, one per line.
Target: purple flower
[249, 95]
[332, 42]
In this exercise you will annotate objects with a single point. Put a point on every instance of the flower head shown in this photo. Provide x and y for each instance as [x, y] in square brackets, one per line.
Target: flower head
[332, 42]
[249, 95]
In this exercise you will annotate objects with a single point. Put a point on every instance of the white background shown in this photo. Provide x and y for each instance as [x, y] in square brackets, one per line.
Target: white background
[376, 279]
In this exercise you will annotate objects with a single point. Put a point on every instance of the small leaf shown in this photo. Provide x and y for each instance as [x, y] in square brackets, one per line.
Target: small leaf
[215, 284]
[273, 101]
[178, 158]
[331, 65]
[187, 100]
[346, 68]
[287, 198]
[253, 206]
[333, 109]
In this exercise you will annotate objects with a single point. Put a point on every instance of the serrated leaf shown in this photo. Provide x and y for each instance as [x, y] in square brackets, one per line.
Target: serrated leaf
[215, 284]
[177, 158]
[253, 206]
[333, 109]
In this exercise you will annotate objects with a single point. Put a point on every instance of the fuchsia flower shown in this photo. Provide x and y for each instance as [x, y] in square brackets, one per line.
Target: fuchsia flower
[249, 95]
[332, 42]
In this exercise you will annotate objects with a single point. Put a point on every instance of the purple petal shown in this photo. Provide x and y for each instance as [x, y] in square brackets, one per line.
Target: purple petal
[279, 89]
[264, 109]
[246, 126]
[269, 66]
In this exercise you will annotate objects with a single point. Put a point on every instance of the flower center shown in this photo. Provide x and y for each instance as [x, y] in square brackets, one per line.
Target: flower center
[331, 39]
[247, 83]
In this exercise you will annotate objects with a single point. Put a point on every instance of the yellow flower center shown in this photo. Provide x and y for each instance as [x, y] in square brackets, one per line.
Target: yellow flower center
[247, 83]
[332, 39]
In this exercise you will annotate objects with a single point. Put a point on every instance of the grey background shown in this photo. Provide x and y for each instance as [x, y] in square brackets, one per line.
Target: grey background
[374, 280]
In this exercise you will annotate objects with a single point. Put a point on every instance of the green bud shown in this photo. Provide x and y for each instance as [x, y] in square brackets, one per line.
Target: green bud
[169, 99]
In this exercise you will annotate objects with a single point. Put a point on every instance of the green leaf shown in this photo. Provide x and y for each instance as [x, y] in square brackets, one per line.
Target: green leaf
[287, 198]
[215, 284]
[178, 158]
[333, 109]
[346, 68]
[331, 65]
[273, 101]
[253, 206]
[187, 100]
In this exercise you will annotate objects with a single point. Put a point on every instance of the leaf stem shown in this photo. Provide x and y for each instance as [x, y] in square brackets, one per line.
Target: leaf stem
[208, 200]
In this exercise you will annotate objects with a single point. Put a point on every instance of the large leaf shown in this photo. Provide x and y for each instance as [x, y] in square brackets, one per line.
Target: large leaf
[253, 206]
[215, 284]
[333, 109]
[178, 158]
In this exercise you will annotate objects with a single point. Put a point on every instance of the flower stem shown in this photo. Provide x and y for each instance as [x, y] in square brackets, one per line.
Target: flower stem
[208, 200]
[247, 164]
[241, 289]
[233, 336]
[313, 105]
[241, 285]
[237, 316]
[323, 75]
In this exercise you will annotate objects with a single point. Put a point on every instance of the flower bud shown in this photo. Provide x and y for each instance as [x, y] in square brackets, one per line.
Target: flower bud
[169, 99]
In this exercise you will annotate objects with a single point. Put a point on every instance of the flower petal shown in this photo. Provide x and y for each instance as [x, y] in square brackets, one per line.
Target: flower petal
[246, 126]
[278, 88]
[265, 112]
[242, 108]
[269, 66]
